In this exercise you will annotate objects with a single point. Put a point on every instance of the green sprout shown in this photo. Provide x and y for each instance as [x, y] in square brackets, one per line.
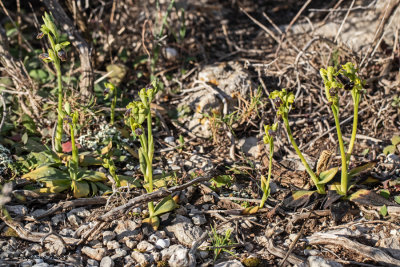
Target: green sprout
[284, 100]
[334, 81]
[268, 139]
[73, 164]
[221, 242]
[111, 92]
[55, 54]
[137, 113]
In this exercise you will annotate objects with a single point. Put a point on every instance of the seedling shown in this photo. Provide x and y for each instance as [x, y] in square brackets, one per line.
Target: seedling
[137, 113]
[268, 139]
[111, 92]
[221, 243]
[393, 148]
[55, 54]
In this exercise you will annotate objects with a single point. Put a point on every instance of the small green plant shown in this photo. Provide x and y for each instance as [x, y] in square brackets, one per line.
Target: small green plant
[333, 81]
[55, 54]
[111, 92]
[396, 102]
[220, 242]
[268, 139]
[137, 113]
[73, 164]
[108, 162]
[393, 148]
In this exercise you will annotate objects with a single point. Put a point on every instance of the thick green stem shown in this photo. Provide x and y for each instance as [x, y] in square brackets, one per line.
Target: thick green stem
[113, 104]
[344, 180]
[75, 158]
[356, 101]
[314, 178]
[265, 188]
[150, 151]
[59, 130]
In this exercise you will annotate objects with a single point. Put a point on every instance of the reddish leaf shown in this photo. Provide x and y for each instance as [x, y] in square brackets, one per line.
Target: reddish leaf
[67, 147]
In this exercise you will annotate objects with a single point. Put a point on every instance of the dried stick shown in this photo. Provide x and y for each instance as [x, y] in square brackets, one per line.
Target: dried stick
[353, 246]
[161, 193]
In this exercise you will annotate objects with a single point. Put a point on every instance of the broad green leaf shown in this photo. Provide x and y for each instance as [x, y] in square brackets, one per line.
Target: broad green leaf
[327, 175]
[45, 172]
[397, 199]
[80, 189]
[357, 170]
[118, 72]
[383, 211]
[250, 210]
[102, 187]
[53, 189]
[221, 180]
[395, 140]
[93, 188]
[385, 193]
[92, 176]
[50, 181]
[165, 205]
[389, 150]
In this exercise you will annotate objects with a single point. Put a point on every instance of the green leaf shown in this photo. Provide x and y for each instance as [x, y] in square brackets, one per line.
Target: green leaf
[221, 180]
[357, 170]
[24, 138]
[327, 175]
[391, 149]
[395, 140]
[365, 152]
[67, 108]
[250, 210]
[92, 176]
[383, 211]
[39, 75]
[45, 172]
[385, 193]
[124, 179]
[154, 222]
[397, 199]
[52, 189]
[93, 188]
[165, 205]
[80, 189]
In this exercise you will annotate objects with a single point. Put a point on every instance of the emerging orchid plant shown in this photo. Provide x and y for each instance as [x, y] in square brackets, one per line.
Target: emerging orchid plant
[137, 113]
[55, 54]
[111, 92]
[270, 133]
[333, 81]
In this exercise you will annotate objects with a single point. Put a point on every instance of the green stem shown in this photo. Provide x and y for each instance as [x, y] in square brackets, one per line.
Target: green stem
[75, 158]
[113, 104]
[344, 180]
[356, 101]
[150, 151]
[59, 130]
[314, 178]
[265, 188]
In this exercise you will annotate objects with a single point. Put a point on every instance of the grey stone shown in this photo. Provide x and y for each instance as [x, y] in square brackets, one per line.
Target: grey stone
[199, 219]
[390, 244]
[311, 252]
[74, 220]
[57, 219]
[56, 248]
[185, 232]
[81, 212]
[315, 261]
[108, 236]
[130, 243]
[67, 232]
[106, 262]
[92, 262]
[42, 264]
[31, 227]
[170, 140]
[143, 259]
[37, 212]
[113, 245]
[119, 252]
[96, 254]
[177, 256]
[162, 243]
[231, 263]
[127, 228]
[250, 146]
[38, 261]
[81, 229]
[26, 264]
[145, 246]
[17, 209]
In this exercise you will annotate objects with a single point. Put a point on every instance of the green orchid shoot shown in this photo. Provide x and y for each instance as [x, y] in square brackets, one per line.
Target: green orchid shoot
[268, 139]
[283, 101]
[137, 113]
[111, 92]
[73, 164]
[55, 54]
[334, 81]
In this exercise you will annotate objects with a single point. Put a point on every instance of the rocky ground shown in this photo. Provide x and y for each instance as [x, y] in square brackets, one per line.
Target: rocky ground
[208, 135]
